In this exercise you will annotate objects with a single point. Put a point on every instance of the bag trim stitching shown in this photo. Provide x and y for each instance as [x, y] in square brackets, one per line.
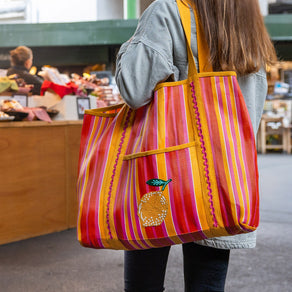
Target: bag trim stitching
[114, 172]
[204, 152]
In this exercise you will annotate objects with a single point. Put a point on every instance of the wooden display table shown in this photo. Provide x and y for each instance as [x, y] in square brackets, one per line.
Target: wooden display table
[38, 174]
[283, 132]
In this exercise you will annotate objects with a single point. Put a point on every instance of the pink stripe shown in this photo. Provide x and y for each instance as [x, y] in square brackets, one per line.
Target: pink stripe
[120, 203]
[121, 142]
[149, 175]
[181, 218]
[236, 146]
[90, 185]
[155, 122]
[130, 197]
[204, 153]
[193, 198]
[252, 149]
[153, 131]
[137, 221]
[176, 110]
[209, 119]
[146, 131]
[183, 113]
[95, 186]
[134, 136]
[82, 170]
[87, 120]
[228, 150]
[173, 109]
[164, 231]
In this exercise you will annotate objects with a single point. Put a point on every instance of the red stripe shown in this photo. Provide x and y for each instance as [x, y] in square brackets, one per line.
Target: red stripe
[182, 194]
[250, 154]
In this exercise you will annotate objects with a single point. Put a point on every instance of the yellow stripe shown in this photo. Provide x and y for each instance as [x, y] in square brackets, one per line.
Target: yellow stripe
[197, 186]
[138, 196]
[231, 145]
[161, 119]
[212, 175]
[162, 173]
[224, 152]
[85, 177]
[239, 142]
[142, 134]
[126, 214]
[106, 183]
[189, 113]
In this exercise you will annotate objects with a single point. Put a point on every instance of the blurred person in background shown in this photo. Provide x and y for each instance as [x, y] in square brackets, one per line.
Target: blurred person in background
[21, 60]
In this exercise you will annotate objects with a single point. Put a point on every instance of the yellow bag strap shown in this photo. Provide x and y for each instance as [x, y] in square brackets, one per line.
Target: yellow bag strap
[203, 50]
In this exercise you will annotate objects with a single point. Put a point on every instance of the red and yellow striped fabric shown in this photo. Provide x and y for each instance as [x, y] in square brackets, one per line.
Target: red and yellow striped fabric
[180, 169]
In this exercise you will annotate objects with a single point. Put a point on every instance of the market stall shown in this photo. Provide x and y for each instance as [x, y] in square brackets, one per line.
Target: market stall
[39, 145]
[275, 128]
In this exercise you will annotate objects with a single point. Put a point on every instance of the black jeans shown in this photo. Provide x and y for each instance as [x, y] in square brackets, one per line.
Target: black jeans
[205, 269]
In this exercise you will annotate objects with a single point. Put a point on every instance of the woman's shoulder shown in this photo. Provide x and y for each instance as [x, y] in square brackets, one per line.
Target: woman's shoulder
[160, 7]
[157, 17]
[260, 76]
[162, 2]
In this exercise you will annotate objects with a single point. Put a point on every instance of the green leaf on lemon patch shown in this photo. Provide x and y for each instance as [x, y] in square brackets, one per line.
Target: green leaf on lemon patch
[156, 182]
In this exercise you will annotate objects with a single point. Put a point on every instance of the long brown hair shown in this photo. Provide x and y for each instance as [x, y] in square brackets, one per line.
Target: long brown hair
[236, 35]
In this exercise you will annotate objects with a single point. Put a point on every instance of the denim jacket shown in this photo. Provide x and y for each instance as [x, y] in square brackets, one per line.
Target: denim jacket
[157, 53]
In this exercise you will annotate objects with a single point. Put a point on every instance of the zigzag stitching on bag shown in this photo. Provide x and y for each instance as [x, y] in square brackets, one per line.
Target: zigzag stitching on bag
[204, 152]
[114, 172]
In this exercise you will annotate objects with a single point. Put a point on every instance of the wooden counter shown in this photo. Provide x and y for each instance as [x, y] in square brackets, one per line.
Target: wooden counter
[38, 174]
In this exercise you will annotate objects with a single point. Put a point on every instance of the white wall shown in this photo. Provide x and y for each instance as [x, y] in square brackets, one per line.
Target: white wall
[73, 10]
[109, 9]
[61, 10]
[264, 6]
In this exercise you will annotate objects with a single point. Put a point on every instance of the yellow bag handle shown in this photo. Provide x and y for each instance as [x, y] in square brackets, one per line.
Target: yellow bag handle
[203, 49]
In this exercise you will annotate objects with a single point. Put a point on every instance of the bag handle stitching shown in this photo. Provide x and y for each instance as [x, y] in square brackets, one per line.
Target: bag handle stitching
[204, 152]
[114, 172]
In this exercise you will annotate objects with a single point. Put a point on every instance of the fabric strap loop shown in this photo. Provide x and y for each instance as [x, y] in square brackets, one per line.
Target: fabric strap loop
[203, 50]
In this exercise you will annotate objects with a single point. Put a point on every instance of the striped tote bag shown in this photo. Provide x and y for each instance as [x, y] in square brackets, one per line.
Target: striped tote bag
[180, 169]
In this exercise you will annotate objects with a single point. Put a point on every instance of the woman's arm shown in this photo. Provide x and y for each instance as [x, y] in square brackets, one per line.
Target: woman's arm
[147, 58]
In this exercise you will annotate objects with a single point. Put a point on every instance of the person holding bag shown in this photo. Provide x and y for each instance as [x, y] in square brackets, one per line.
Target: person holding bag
[234, 39]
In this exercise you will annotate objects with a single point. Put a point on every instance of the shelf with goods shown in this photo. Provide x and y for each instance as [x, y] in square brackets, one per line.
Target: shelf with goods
[275, 128]
[63, 96]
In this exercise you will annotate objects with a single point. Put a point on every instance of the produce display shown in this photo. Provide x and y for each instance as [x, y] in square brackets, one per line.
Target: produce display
[88, 84]
[91, 85]
[102, 90]
[9, 104]
[14, 109]
[5, 117]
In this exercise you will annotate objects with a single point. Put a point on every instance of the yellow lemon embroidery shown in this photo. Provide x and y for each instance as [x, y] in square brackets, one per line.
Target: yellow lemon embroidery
[153, 206]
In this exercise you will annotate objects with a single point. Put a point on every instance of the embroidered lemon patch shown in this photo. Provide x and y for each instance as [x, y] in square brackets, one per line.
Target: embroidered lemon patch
[153, 206]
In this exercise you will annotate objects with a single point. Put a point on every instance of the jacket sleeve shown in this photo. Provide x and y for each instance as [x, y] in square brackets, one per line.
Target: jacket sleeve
[138, 71]
[254, 88]
[147, 58]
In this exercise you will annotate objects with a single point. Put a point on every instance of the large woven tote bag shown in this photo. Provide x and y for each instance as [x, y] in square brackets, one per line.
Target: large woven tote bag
[180, 169]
